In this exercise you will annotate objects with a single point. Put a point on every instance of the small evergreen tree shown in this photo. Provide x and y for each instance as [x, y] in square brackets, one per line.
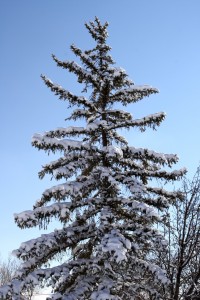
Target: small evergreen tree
[105, 203]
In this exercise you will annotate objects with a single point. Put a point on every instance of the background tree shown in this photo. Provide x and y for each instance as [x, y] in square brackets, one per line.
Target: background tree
[8, 269]
[109, 235]
[182, 259]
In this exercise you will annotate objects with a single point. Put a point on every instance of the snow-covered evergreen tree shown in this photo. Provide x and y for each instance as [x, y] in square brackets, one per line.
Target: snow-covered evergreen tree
[105, 203]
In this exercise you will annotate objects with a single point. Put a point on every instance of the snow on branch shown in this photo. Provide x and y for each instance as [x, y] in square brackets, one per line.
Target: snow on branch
[136, 205]
[149, 121]
[145, 154]
[67, 131]
[118, 113]
[42, 142]
[80, 113]
[74, 189]
[85, 58]
[32, 218]
[162, 192]
[133, 94]
[155, 270]
[174, 175]
[50, 243]
[65, 94]
[117, 137]
[67, 166]
[116, 244]
[82, 74]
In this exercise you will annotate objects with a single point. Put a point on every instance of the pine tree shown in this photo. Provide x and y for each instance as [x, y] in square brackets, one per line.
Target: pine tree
[105, 203]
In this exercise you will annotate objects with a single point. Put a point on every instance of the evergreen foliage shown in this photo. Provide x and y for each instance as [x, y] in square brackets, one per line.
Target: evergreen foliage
[105, 203]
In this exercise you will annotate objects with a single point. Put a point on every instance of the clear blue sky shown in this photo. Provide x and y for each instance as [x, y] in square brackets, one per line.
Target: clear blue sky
[157, 42]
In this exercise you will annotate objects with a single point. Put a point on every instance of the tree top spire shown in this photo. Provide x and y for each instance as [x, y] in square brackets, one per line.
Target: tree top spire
[97, 30]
